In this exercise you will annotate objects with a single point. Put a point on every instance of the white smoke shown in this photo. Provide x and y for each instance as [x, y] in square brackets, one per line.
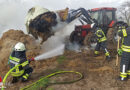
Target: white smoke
[55, 45]
[73, 46]
[13, 13]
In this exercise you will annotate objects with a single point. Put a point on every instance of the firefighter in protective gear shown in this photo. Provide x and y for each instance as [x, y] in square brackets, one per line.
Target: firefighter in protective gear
[18, 56]
[124, 33]
[101, 41]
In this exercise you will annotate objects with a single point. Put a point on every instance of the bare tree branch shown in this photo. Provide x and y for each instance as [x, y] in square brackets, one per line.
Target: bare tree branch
[124, 12]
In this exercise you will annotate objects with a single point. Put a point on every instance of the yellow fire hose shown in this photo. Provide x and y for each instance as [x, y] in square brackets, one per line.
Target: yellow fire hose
[48, 76]
[7, 74]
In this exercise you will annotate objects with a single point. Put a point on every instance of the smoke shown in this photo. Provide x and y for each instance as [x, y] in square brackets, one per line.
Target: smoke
[55, 45]
[13, 13]
[73, 47]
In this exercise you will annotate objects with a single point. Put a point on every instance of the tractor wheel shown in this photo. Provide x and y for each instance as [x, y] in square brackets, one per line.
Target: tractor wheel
[72, 35]
[112, 33]
[89, 38]
[111, 36]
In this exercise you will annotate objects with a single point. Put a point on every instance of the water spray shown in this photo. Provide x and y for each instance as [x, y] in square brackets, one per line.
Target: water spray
[55, 52]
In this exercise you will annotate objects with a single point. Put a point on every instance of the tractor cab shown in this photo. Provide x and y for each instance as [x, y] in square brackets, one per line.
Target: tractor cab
[104, 16]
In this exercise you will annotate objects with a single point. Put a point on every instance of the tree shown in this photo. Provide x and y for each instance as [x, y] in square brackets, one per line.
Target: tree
[124, 12]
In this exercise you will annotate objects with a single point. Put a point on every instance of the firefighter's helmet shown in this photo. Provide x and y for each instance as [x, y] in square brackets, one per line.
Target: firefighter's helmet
[19, 47]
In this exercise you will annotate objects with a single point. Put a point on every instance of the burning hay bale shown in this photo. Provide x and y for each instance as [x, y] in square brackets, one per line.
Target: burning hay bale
[39, 22]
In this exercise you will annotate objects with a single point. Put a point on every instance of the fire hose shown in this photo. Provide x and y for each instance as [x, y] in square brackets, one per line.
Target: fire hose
[48, 76]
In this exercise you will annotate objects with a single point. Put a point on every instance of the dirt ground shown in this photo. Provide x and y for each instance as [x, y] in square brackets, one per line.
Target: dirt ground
[99, 74]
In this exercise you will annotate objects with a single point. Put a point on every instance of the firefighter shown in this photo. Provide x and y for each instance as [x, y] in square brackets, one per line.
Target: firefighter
[18, 56]
[124, 33]
[101, 41]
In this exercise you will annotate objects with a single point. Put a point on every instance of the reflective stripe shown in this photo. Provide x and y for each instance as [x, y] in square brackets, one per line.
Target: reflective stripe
[14, 59]
[98, 34]
[125, 48]
[124, 75]
[17, 70]
[25, 63]
[124, 32]
[119, 31]
[96, 52]
[102, 39]
[122, 41]
[107, 54]
[121, 27]
[16, 63]
[128, 72]
[26, 76]
[18, 73]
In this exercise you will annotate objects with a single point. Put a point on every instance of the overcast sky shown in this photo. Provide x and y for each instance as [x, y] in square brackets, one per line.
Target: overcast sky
[77, 3]
[57, 4]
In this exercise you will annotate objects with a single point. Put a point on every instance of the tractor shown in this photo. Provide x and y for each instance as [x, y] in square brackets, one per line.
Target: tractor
[104, 17]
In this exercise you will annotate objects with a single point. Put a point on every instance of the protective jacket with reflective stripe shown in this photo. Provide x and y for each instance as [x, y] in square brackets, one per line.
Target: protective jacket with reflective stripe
[125, 34]
[100, 35]
[13, 60]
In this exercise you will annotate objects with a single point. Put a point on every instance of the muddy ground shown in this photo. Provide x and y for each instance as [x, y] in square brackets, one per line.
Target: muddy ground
[99, 74]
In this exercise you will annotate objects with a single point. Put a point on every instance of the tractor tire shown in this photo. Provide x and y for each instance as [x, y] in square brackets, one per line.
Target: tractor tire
[88, 39]
[112, 35]
[72, 35]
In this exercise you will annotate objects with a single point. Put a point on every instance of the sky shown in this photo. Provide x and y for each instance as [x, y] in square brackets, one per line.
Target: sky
[57, 4]
[13, 12]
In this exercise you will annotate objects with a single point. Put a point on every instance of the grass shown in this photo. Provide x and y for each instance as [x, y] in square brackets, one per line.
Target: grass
[61, 59]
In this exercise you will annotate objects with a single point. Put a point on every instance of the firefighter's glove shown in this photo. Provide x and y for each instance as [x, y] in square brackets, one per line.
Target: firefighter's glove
[119, 51]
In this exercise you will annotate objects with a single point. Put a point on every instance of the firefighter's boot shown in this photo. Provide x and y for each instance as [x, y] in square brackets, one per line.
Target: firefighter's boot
[107, 56]
[14, 80]
[123, 76]
[25, 77]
